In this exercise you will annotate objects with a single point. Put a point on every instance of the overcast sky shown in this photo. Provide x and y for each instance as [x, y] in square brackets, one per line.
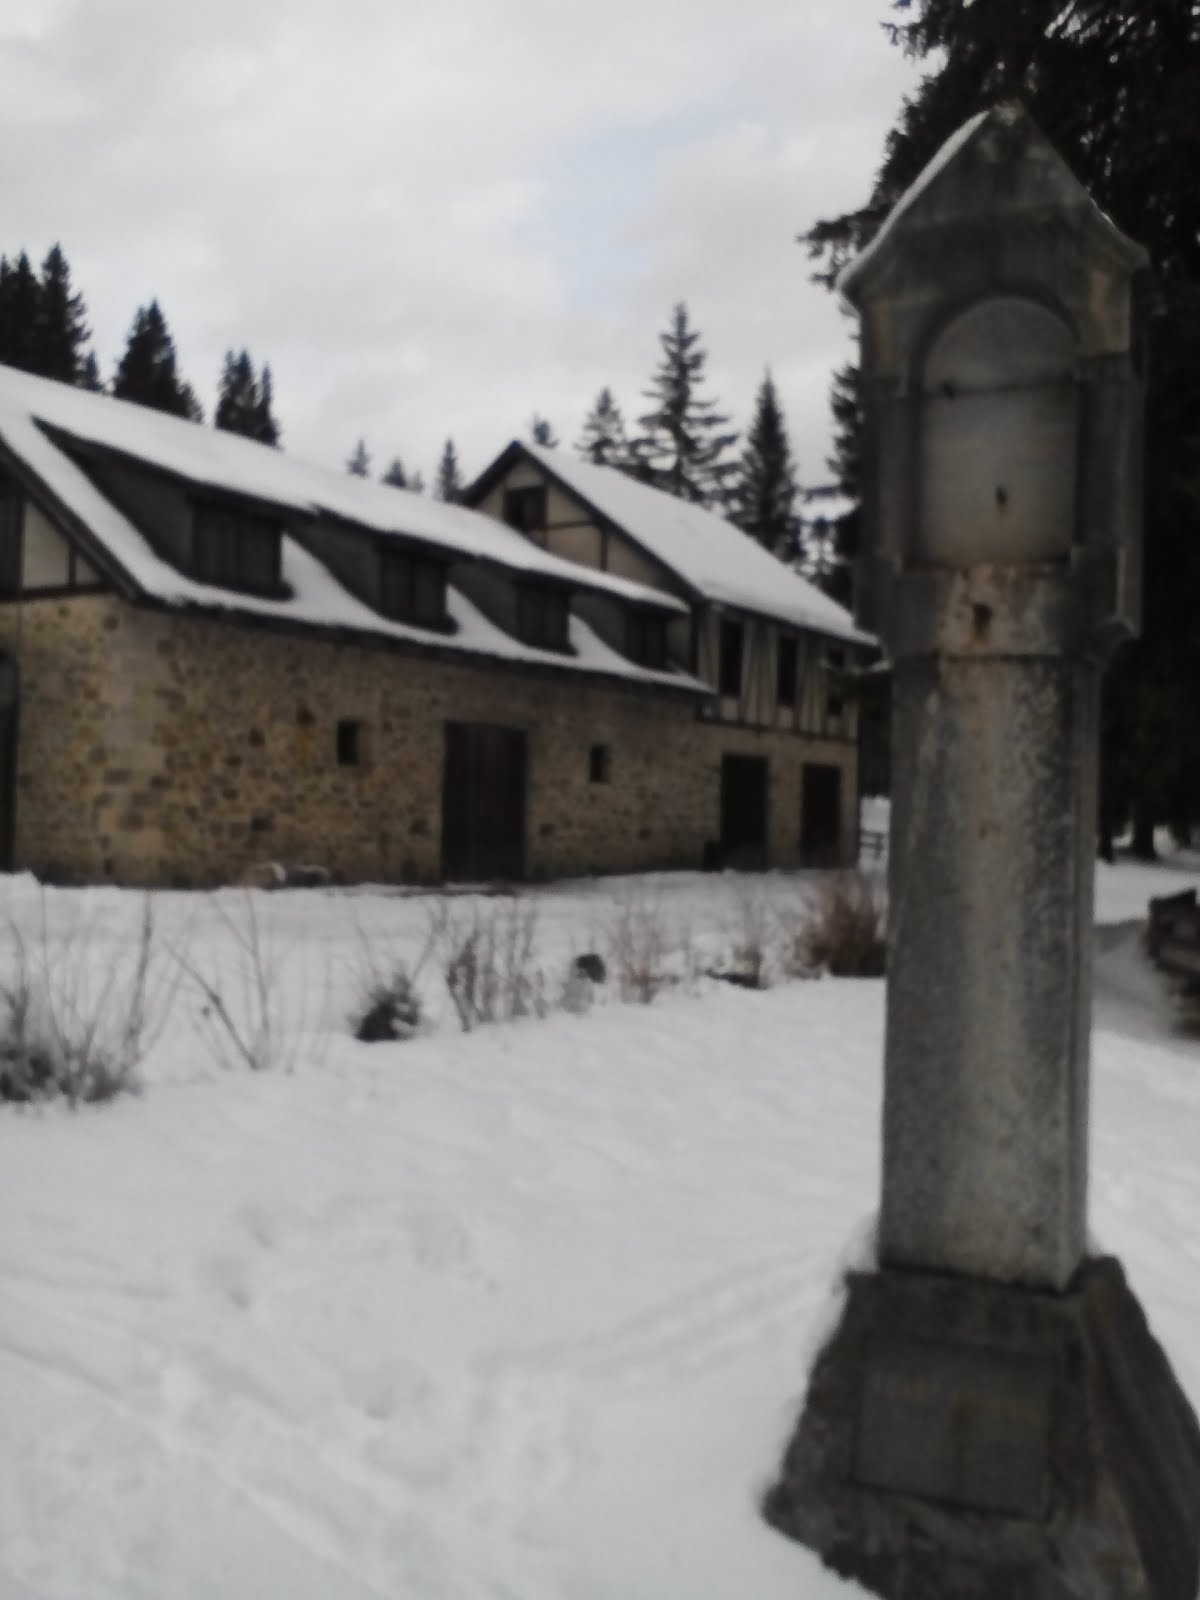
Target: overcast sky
[438, 216]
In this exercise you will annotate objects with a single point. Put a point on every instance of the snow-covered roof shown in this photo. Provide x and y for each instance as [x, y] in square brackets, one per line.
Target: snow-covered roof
[711, 556]
[316, 598]
[212, 458]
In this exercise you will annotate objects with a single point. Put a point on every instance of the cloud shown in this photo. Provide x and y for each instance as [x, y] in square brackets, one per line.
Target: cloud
[436, 218]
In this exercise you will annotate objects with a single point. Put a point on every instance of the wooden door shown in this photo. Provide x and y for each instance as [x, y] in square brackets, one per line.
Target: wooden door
[483, 803]
[744, 811]
[8, 761]
[821, 815]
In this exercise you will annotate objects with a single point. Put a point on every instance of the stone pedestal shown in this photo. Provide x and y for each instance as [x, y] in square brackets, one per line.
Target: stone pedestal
[964, 1440]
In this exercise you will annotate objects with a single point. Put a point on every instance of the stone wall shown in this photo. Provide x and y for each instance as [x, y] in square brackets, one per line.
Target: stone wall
[159, 747]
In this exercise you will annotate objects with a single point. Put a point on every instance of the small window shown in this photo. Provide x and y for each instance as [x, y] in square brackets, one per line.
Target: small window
[835, 701]
[11, 506]
[525, 508]
[646, 633]
[236, 549]
[349, 743]
[785, 687]
[730, 679]
[412, 589]
[542, 618]
[600, 763]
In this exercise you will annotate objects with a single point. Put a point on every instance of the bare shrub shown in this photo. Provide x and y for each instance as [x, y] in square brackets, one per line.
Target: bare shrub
[843, 930]
[754, 936]
[77, 1021]
[487, 953]
[640, 949]
[388, 1006]
[241, 1017]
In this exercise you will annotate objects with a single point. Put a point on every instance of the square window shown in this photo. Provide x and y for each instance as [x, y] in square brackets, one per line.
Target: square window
[525, 508]
[600, 763]
[349, 743]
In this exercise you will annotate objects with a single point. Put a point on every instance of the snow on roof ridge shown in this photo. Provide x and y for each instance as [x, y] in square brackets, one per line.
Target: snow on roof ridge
[707, 552]
[217, 459]
[931, 170]
[316, 597]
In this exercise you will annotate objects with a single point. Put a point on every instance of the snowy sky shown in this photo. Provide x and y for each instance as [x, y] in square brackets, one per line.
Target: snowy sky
[437, 216]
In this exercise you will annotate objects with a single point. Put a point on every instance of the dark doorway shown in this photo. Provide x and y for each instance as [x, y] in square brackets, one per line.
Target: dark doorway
[483, 803]
[821, 815]
[744, 811]
[8, 761]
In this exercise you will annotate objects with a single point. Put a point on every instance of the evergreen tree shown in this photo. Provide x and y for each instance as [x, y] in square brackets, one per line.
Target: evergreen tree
[449, 480]
[60, 328]
[1114, 85]
[20, 302]
[542, 433]
[764, 495]
[359, 464]
[684, 443]
[147, 371]
[603, 440]
[399, 477]
[89, 377]
[266, 427]
[244, 400]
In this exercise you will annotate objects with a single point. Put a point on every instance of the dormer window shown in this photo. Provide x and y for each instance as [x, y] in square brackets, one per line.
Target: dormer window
[412, 589]
[236, 549]
[525, 508]
[542, 617]
[646, 639]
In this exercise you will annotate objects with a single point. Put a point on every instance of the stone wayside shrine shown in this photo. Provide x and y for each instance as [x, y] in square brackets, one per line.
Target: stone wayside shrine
[992, 1417]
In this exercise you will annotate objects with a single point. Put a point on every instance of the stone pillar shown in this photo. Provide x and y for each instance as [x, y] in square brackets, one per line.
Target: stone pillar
[992, 1416]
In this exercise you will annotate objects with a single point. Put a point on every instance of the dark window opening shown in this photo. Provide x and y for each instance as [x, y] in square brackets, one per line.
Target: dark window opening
[835, 701]
[349, 743]
[730, 675]
[821, 815]
[11, 506]
[236, 549]
[600, 763]
[542, 618]
[646, 638]
[412, 589]
[525, 508]
[785, 687]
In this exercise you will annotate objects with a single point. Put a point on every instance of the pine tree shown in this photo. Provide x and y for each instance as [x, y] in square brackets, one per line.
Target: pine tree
[266, 428]
[449, 480]
[147, 371]
[1113, 84]
[603, 440]
[396, 475]
[89, 377]
[244, 400]
[542, 433]
[60, 327]
[358, 465]
[20, 300]
[764, 497]
[684, 443]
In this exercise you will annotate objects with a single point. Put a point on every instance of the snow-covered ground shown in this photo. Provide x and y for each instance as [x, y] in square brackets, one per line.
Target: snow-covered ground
[520, 1314]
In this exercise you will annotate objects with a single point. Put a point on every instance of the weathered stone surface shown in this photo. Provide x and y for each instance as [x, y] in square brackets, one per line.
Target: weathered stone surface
[970, 1441]
[984, 1164]
[150, 765]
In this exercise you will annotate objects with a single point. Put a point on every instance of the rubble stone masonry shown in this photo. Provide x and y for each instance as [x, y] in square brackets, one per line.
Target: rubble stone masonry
[176, 748]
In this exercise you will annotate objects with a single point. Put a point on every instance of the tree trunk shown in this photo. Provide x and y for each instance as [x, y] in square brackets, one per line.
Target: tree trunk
[1143, 836]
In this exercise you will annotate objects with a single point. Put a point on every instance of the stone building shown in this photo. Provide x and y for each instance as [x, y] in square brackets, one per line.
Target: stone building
[214, 656]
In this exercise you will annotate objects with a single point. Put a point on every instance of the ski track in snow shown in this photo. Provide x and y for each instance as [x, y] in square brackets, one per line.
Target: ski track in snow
[520, 1315]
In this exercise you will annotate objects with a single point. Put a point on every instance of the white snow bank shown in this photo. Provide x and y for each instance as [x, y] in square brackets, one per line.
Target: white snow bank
[525, 1312]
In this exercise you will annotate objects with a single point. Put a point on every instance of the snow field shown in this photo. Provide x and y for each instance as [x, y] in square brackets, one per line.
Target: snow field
[520, 1313]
